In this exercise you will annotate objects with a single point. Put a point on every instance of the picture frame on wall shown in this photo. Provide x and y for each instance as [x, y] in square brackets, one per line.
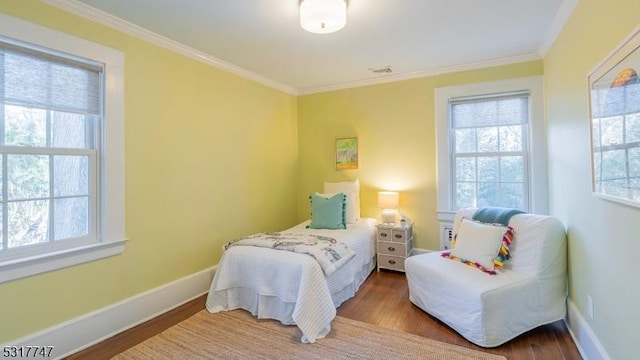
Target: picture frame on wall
[614, 113]
[347, 153]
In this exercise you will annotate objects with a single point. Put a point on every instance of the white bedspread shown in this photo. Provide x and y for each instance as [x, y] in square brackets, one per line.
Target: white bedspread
[291, 287]
[327, 251]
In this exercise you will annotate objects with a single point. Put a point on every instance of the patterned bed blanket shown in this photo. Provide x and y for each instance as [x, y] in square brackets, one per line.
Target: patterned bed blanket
[328, 252]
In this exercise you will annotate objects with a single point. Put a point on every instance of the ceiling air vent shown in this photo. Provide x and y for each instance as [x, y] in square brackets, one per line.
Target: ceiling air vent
[382, 70]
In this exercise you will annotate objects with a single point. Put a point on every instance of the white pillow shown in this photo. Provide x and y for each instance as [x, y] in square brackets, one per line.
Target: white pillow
[352, 190]
[478, 242]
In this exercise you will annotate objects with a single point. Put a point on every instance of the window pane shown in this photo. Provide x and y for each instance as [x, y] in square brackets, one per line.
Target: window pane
[69, 130]
[488, 139]
[28, 176]
[488, 194]
[28, 222]
[633, 128]
[635, 183]
[465, 194]
[512, 196]
[611, 131]
[71, 217]
[465, 140]
[597, 165]
[511, 138]
[512, 168]
[465, 169]
[70, 175]
[25, 126]
[488, 169]
[634, 162]
[596, 132]
[613, 164]
[615, 187]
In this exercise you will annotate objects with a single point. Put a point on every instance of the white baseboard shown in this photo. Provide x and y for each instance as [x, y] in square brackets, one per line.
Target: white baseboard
[586, 340]
[86, 330]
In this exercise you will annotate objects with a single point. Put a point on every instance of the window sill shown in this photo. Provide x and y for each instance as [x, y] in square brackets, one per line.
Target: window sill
[446, 216]
[21, 268]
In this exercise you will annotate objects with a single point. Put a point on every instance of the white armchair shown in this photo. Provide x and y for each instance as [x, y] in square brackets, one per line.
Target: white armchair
[489, 310]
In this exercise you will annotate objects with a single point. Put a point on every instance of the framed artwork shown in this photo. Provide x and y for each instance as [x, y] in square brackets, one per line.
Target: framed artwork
[346, 153]
[614, 109]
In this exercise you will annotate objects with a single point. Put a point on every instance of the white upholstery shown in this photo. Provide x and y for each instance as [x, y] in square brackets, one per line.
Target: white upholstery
[490, 310]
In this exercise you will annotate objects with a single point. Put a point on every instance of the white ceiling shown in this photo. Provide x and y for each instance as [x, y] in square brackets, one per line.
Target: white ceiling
[262, 39]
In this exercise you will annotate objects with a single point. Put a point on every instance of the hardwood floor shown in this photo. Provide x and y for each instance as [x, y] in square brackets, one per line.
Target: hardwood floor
[382, 300]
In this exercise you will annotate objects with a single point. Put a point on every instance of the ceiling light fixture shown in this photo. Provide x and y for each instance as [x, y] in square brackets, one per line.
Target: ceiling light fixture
[323, 16]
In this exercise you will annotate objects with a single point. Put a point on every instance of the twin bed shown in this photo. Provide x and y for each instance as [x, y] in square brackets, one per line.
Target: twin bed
[292, 287]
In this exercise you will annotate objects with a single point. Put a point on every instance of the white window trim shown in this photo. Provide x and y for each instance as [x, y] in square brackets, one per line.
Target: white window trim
[112, 232]
[538, 201]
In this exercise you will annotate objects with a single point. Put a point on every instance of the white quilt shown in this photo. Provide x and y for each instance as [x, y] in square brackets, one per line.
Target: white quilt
[291, 287]
[327, 251]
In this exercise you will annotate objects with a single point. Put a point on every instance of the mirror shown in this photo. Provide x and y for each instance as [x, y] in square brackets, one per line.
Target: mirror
[614, 108]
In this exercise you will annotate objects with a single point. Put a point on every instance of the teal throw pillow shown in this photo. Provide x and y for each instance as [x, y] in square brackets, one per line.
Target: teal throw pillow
[328, 212]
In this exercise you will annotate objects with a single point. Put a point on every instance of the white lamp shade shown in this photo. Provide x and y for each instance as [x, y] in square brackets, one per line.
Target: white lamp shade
[388, 199]
[323, 16]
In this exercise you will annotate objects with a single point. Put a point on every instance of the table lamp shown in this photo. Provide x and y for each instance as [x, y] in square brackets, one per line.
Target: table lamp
[388, 201]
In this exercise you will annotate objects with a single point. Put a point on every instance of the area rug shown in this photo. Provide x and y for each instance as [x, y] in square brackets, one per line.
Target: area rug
[238, 335]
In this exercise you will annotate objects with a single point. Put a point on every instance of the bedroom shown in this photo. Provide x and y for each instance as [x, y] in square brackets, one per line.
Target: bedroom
[202, 133]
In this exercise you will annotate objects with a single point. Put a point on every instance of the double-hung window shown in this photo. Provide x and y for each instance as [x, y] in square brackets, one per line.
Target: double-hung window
[51, 111]
[491, 149]
[616, 141]
[61, 150]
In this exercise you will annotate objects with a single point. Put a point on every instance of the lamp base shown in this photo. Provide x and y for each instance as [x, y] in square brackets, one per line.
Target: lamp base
[388, 216]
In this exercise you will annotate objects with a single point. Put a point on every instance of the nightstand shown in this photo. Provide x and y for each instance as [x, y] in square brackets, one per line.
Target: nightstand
[394, 244]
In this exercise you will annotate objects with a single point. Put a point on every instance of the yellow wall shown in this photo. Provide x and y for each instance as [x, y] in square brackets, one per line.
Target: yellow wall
[603, 236]
[209, 156]
[395, 126]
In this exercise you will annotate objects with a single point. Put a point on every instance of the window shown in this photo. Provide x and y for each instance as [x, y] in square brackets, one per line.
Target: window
[616, 154]
[51, 111]
[491, 149]
[489, 154]
[58, 110]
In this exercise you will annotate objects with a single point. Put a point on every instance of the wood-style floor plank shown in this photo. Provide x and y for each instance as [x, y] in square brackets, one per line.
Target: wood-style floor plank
[382, 300]
[387, 305]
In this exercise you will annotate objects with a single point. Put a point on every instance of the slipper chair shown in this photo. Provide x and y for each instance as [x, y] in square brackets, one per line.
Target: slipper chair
[489, 310]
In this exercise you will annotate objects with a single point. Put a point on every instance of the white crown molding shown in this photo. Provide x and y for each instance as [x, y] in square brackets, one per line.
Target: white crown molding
[101, 17]
[557, 24]
[79, 333]
[420, 74]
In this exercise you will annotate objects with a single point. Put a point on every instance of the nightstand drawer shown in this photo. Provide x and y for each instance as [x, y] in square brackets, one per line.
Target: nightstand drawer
[384, 234]
[390, 248]
[399, 235]
[391, 262]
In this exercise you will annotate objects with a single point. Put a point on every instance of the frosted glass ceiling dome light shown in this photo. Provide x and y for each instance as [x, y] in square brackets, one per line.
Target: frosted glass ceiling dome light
[323, 16]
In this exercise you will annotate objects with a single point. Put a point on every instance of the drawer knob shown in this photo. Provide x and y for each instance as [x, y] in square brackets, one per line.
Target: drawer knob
[392, 262]
[383, 235]
[391, 248]
[398, 236]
